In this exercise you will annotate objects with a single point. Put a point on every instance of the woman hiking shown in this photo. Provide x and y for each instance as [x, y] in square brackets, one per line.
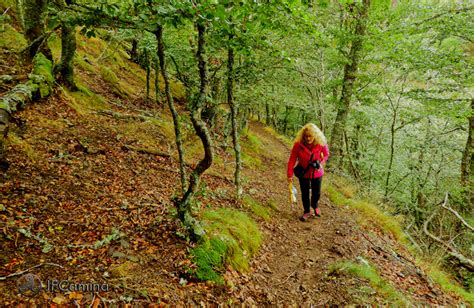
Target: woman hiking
[311, 151]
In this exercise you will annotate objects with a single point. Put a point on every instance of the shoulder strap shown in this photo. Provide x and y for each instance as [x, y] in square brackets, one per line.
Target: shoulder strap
[309, 165]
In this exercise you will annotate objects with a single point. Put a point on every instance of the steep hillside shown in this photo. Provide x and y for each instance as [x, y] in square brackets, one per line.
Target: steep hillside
[88, 199]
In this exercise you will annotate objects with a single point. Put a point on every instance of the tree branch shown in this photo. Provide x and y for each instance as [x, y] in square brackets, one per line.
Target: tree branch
[466, 262]
[464, 9]
[27, 270]
[458, 216]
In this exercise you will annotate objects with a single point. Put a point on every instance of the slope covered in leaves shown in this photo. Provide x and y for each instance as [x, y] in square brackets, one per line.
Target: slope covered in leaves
[88, 196]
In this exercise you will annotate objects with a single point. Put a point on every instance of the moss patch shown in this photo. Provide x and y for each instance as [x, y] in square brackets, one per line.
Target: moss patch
[10, 38]
[233, 238]
[54, 43]
[84, 101]
[21, 145]
[258, 209]
[368, 272]
[369, 213]
[447, 284]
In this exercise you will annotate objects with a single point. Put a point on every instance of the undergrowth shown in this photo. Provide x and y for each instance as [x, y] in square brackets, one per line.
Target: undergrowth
[342, 195]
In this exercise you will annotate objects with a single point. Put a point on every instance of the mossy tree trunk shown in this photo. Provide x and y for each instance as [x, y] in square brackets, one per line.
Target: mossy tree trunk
[174, 113]
[33, 12]
[350, 75]
[134, 51]
[184, 206]
[65, 69]
[147, 69]
[39, 85]
[157, 82]
[233, 114]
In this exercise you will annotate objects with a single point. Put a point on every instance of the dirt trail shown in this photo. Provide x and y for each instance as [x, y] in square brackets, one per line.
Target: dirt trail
[293, 266]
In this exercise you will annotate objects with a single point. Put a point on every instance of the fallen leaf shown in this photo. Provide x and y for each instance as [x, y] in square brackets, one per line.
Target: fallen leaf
[60, 300]
[76, 295]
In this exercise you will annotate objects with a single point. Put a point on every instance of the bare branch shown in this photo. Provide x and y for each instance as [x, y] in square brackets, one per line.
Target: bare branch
[27, 270]
[456, 11]
[458, 216]
[466, 262]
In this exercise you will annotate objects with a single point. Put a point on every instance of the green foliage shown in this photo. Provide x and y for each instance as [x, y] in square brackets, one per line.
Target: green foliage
[47, 246]
[113, 236]
[233, 238]
[368, 272]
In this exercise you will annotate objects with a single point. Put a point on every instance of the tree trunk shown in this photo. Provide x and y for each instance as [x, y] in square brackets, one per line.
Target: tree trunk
[184, 206]
[65, 69]
[467, 163]
[147, 69]
[285, 120]
[134, 51]
[233, 112]
[350, 72]
[174, 113]
[157, 82]
[392, 151]
[39, 85]
[33, 18]
[268, 119]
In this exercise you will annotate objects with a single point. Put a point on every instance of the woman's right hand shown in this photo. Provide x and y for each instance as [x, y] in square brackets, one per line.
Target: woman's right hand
[290, 180]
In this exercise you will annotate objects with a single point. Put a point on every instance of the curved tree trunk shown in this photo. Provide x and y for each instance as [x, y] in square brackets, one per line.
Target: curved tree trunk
[350, 72]
[174, 113]
[184, 206]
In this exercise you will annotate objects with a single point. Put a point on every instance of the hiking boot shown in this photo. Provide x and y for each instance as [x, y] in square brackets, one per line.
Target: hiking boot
[305, 216]
[317, 212]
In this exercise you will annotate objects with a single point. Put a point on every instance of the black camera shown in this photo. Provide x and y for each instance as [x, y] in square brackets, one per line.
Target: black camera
[315, 164]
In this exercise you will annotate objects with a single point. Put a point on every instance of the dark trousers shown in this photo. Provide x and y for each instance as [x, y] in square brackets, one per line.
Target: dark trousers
[315, 185]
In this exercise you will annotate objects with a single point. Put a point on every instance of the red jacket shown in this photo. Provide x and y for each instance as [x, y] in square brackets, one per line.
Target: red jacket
[302, 154]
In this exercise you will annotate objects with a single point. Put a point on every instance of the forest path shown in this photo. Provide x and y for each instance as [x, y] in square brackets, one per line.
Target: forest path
[295, 256]
[294, 263]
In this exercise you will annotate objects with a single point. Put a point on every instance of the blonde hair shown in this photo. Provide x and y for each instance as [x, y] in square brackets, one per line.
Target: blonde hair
[315, 132]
